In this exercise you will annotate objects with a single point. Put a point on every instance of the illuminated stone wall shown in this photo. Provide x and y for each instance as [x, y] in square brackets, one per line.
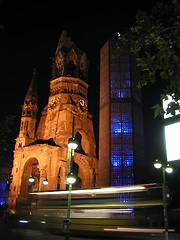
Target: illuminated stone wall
[41, 146]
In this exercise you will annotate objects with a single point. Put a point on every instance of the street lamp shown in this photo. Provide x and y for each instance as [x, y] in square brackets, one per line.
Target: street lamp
[72, 144]
[165, 169]
[32, 179]
[70, 179]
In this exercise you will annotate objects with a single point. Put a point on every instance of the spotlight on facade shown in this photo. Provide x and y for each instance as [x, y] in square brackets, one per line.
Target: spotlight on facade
[71, 178]
[72, 144]
[157, 164]
[45, 181]
[31, 179]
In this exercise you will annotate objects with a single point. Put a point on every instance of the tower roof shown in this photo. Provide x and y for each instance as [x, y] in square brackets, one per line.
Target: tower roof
[69, 60]
[30, 103]
[32, 90]
[64, 42]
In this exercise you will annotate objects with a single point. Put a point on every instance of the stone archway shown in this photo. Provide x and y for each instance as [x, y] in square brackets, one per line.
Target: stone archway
[78, 183]
[83, 171]
[27, 187]
[61, 185]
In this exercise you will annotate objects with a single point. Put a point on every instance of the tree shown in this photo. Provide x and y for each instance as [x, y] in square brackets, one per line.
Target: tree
[154, 41]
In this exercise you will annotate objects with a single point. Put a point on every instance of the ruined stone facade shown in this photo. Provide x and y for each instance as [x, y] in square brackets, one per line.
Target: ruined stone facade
[41, 146]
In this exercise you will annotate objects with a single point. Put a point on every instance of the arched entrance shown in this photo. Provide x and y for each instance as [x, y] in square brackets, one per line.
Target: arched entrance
[30, 167]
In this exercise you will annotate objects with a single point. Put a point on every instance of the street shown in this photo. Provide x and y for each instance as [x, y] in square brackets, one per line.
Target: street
[24, 233]
[28, 234]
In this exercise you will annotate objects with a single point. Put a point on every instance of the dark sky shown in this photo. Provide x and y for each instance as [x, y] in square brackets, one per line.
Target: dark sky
[29, 35]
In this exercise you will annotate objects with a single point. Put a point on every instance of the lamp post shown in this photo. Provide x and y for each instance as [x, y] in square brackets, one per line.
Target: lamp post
[165, 169]
[70, 180]
[32, 178]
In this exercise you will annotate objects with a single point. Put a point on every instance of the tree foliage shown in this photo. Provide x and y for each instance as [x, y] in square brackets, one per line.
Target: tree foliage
[154, 40]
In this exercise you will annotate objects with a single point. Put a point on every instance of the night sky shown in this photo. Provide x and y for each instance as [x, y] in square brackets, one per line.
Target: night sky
[29, 34]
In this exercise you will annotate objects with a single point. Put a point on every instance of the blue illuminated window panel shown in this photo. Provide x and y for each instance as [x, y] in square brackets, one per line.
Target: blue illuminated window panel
[126, 117]
[125, 84]
[121, 176]
[116, 127]
[116, 182]
[126, 127]
[127, 138]
[128, 182]
[128, 173]
[116, 151]
[2, 193]
[116, 161]
[127, 149]
[125, 93]
[116, 172]
[128, 161]
[116, 138]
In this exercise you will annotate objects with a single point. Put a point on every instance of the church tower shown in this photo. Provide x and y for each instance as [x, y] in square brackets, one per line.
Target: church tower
[29, 115]
[41, 146]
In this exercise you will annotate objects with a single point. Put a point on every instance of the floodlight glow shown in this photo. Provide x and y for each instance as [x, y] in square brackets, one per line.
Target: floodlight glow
[157, 164]
[72, 144]
[71, 178]
[172, 133]
[45, 181]
[169, 169]
[31, 179]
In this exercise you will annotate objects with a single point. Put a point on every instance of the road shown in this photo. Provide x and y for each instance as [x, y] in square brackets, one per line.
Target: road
[9, 232]
[28, 234]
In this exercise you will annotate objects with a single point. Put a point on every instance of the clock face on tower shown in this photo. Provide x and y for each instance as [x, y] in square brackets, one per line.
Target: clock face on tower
[83, 105]
[82, 102]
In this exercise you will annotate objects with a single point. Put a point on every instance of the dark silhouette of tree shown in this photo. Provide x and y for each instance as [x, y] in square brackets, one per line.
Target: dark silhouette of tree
[154, 40]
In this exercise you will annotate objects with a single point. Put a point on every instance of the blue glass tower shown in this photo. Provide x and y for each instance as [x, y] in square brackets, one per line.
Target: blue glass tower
[121, 131]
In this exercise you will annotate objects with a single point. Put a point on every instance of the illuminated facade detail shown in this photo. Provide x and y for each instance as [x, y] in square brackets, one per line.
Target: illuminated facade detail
[42, 144]
[121, 137]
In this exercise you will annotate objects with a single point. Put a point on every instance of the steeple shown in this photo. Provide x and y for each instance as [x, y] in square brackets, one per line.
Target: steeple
[64, 42]
[29, 114]
[30, 107]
